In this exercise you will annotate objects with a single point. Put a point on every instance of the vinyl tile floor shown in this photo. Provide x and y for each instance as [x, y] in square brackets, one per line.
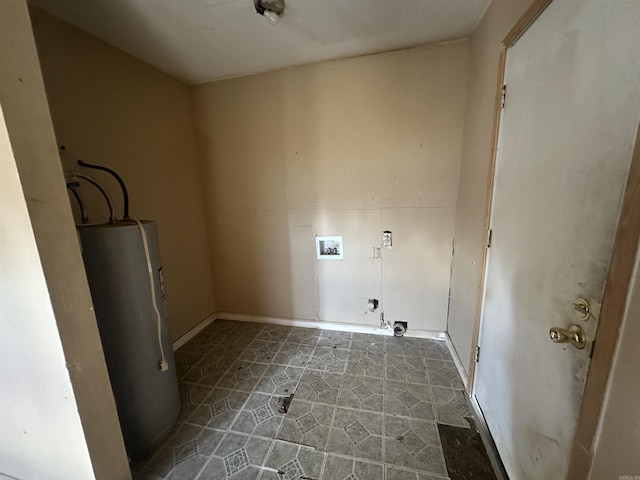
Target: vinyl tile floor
[365, 407]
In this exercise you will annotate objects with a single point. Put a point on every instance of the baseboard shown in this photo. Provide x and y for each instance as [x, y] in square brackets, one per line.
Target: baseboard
[327, 325]
[296, 322]
[431, 334]
[487, 439]
[456, 360]
[193, 332]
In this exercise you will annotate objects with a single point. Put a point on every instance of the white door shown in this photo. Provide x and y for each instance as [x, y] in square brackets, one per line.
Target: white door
[566, 137]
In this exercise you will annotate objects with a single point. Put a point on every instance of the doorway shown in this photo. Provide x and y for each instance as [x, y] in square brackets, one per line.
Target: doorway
[565, 144]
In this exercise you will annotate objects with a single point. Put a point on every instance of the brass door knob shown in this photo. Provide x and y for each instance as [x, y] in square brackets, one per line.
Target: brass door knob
[574, 335]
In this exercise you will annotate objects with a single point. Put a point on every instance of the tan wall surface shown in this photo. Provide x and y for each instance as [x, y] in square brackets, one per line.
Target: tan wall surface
[349, 148]
[111, 109]
[42, 438]
[484, 52]
[618, 442]
[33, 375]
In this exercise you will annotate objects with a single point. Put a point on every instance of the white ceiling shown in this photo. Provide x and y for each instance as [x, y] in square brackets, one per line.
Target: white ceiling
[202, 40]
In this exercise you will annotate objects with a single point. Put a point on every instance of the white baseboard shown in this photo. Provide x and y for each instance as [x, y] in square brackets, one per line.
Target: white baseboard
[296, 322]
[456, 360]
[432, 334]
[193, 332]
[327, 325]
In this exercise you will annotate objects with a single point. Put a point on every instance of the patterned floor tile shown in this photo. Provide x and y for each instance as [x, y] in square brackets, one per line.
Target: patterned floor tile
[209, 370]
[402, 346]
[293, 354]
[408, 400]
[239, 457]
[232, 345]
[394, 473]
[435, 349]
[329, 359]
[360, 392]
[248, 329]
[329, 338]
[185, 361]
[243, 376]
[307, 424]
[260, 351]
[319, 387]
[142, 463]
[220, 408]
[305, 336]
[362, 362]
[191, 395]
[274, 333]
[259, 416]
[220, 327]
[201, 344]
[448, 416]
[370, 343]
[413, 444]
[443, 373]
[232, 375]
[183, 455]
[280, 380]
[408, 369]
[357, 434]
[452, 406]
[293, 462]
[341, 468]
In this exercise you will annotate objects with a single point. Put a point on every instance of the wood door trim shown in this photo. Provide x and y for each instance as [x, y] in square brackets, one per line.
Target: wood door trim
[525, 21]
[494, 149]
[614, 301]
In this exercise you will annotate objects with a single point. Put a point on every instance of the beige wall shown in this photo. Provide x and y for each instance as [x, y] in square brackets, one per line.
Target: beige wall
[350, 148]
[111, 109]
[33, 376]
[49, 339]
[470, 228]
[618, 439]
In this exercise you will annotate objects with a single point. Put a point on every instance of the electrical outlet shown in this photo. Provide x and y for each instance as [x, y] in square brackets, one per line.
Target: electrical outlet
[386, 238]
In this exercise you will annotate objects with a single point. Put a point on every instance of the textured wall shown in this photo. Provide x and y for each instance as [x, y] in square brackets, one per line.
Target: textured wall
[111, 109]
[350, 148]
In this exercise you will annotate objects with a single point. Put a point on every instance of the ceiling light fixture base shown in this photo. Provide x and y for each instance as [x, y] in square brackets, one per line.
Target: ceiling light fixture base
[270, 9]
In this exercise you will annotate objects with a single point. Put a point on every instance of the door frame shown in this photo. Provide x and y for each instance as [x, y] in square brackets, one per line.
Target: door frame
[625, 249]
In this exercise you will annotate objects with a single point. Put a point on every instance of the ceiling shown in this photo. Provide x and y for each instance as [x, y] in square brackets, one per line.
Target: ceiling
[202, 40]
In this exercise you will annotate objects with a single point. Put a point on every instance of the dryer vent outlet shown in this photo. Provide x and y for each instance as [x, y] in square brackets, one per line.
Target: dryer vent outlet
[400, 328]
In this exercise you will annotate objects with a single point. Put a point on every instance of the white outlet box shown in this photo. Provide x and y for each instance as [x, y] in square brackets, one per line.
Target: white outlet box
[386, 238]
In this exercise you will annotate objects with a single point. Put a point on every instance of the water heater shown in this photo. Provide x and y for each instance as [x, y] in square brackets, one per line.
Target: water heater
[122, 262]
[146, 396]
